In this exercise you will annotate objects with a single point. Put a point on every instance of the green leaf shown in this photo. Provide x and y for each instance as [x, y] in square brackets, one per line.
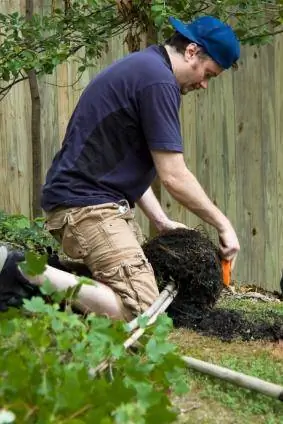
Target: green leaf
[82, 68]
[34, 264]
[72, 292]
[163, 326]
[130, 413]
[10, 314]
[46, 288]
[142, 321]
[70, 393]
[146, 392]
[159, 20]
[22, 222]
[35, 305]
[161, 413]
[117, 351]
[87, 281]
[8, 329]
[57, 325]
[157, 8]
[6, 75]
[177, 380]
[98, 323]
[156, 351]
[58, 296]
[45, 387]
[28, 55]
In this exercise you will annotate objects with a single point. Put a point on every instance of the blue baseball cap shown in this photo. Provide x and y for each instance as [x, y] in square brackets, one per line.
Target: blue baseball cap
[216, 38]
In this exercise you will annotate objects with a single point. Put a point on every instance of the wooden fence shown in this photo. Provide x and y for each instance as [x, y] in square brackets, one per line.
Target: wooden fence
[233, 138]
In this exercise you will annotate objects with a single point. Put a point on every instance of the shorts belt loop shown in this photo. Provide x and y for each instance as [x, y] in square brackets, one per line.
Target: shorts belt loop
[127, 269]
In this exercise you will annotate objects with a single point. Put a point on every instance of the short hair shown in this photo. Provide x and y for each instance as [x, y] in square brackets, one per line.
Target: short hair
[179, 42]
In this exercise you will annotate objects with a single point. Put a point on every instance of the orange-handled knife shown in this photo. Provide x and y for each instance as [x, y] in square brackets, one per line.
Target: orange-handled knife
[226, 272]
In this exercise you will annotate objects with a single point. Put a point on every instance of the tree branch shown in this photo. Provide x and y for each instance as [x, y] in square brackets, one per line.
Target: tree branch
[267, 34]
[5, 90]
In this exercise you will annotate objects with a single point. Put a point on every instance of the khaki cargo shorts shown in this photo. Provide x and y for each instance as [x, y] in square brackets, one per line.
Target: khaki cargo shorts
[108, 240]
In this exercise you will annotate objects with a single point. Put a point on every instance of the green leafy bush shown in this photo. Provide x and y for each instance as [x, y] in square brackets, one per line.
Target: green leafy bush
[46, 358]
[20, 232]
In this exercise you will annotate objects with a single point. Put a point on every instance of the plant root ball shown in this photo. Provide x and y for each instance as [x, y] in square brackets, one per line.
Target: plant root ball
[190, 259]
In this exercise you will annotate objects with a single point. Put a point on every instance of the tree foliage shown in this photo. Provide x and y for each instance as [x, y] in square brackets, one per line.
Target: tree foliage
[44, 41]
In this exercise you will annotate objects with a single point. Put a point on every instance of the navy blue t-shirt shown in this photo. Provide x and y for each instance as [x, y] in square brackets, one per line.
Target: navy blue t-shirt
[127, 110]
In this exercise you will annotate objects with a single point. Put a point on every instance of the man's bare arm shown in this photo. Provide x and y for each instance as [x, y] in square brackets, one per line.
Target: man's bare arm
[151, 207]
[185, 188]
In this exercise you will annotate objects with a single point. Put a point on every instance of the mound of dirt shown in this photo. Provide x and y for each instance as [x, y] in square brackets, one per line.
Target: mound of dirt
[191, 260]
[228, 325]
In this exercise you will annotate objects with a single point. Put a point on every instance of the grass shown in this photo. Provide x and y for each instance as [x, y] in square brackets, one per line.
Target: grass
[250, 307]
[211, 400]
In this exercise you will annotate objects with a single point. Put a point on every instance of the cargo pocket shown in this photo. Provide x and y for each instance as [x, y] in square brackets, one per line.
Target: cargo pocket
[55, 224]
[74, 242]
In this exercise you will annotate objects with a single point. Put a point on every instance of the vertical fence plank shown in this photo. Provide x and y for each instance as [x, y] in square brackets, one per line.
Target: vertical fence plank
[278, 213]
[248, 162]
[63, 98]
[268, 170]
[188, 118]
[205, 142]
[228, 163]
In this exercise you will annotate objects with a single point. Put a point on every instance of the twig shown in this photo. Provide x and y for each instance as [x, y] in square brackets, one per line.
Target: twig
[267, 34]
[77, 413]
[66, 85]
[30, 413]
[256, 296]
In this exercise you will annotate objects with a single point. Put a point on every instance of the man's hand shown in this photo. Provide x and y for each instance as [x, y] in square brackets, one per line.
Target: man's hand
[170, 225]
[229, 244]
[153, 210]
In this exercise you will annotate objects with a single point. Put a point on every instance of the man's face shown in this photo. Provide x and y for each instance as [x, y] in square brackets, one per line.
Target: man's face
[196, 70]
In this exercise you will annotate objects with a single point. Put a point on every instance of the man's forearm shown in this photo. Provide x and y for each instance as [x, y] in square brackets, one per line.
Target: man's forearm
[186, 189]
[152, 209]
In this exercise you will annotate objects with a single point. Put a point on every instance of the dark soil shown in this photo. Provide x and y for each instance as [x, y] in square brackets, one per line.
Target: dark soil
[228, 325]
[191, 260]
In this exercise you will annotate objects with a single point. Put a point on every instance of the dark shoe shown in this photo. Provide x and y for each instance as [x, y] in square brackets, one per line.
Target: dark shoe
[14, 287]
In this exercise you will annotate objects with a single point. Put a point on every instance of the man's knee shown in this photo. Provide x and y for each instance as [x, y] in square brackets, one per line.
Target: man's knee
[134, 283]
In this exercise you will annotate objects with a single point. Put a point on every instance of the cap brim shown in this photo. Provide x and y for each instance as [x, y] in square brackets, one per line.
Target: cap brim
[182, 29]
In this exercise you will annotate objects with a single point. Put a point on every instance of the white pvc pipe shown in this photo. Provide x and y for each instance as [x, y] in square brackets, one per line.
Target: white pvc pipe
[238, 378]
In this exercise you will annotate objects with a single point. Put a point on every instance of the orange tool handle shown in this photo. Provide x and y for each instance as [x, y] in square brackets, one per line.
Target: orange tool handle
[226, 272]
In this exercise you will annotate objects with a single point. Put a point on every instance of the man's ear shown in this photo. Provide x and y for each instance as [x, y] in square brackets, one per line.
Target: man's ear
[191, 50]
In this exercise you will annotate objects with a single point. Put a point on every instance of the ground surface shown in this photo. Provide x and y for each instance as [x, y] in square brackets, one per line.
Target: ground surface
[212, 401]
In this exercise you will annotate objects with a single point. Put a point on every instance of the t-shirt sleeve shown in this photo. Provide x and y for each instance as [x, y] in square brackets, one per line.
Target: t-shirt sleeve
[159, 109]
